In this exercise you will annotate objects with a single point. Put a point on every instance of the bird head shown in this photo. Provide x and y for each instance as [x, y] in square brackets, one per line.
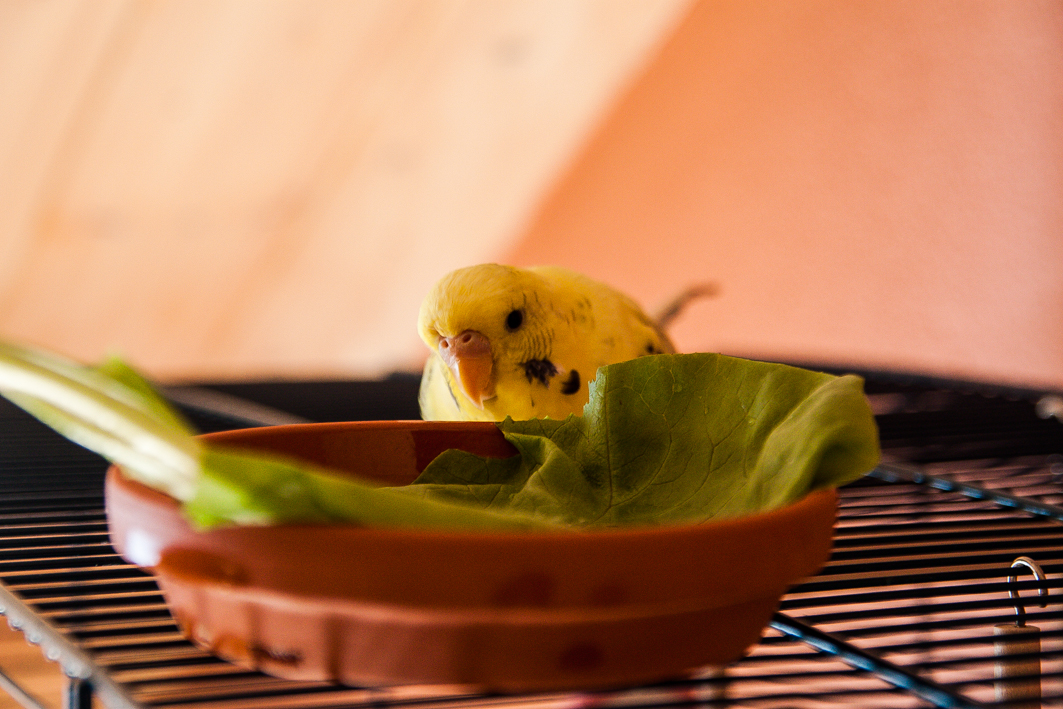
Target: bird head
[481, 318]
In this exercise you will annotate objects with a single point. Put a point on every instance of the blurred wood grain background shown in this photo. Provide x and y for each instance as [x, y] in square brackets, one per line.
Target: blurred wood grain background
[235, 188]
[228, 189]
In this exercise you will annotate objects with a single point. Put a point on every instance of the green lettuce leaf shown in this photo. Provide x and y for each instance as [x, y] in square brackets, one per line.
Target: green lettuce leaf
[674, 438]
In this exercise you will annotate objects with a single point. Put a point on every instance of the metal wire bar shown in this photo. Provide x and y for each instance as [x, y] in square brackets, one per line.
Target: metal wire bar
[19, 693]
[927, 689]
[893, 472]
[75, 663]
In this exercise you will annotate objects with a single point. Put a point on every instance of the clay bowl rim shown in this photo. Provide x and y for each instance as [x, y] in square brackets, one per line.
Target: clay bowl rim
[234, 439]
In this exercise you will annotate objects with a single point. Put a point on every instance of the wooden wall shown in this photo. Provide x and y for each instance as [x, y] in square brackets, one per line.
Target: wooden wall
[226, 189]
[248, 188]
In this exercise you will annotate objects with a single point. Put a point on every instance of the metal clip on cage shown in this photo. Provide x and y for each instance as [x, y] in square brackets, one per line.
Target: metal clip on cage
[1018, 645]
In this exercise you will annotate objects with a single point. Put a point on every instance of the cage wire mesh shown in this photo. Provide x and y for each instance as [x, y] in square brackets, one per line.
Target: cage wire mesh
[919, 606]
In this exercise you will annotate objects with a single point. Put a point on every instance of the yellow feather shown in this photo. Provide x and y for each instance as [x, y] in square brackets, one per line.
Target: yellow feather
[569, 326]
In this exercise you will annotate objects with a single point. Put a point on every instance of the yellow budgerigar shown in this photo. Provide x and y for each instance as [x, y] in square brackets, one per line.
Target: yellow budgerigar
[524, 342]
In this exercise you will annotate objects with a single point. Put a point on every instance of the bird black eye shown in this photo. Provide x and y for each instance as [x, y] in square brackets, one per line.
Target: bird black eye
[514, 320]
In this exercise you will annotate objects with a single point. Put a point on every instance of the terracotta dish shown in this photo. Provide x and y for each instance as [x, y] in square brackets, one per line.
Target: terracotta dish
[504, 611]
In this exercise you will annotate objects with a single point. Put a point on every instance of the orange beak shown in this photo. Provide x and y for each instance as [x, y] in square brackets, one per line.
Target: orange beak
[468, 356]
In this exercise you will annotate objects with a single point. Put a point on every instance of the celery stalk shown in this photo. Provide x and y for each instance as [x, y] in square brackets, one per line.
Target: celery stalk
[98, 411]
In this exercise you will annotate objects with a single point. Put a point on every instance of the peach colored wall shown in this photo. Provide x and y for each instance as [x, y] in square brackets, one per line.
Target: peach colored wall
[871, 183]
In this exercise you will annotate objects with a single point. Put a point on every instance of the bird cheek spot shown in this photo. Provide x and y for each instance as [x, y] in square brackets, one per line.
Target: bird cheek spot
[541, 370]
[572, 384]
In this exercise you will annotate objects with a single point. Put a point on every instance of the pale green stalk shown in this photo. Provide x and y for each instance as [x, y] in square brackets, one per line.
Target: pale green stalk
[104, 415]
